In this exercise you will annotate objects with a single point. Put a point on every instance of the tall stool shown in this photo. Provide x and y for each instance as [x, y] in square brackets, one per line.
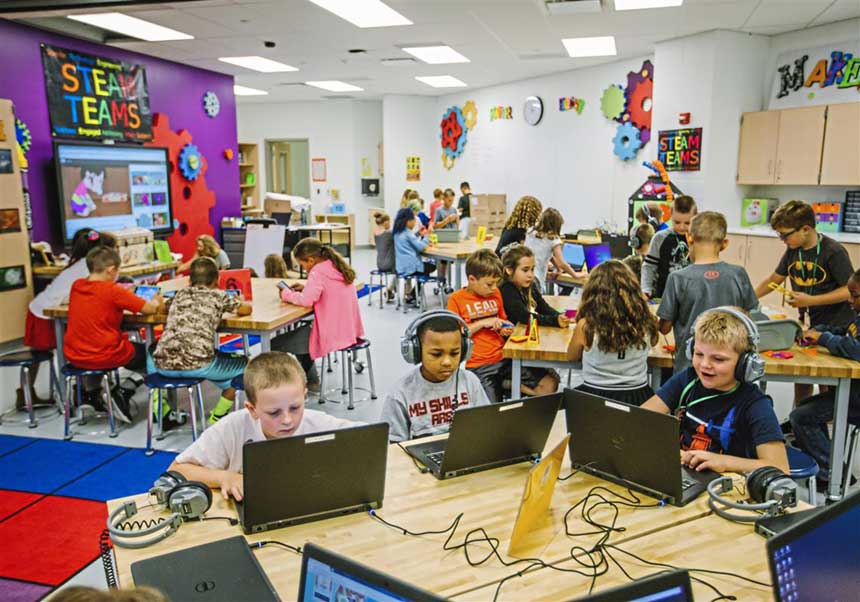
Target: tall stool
[420, 281]
[347, 357]
[383, 286]
[25, 360]
[238, 383]
[74, 373]
[803, 466]
[158, 382]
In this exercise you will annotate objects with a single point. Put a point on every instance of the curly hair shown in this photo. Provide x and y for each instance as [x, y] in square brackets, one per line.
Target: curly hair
[210, 246]
[525, 214]
[614, 309]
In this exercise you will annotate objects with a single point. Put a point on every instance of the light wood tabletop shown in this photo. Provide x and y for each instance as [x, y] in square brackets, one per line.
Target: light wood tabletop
[457, 250]
[132, 271]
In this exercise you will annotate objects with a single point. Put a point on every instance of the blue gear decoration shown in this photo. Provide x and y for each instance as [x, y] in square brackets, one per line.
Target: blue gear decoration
[627, 142]
[190, 162]
[23, 135]
[461, 141]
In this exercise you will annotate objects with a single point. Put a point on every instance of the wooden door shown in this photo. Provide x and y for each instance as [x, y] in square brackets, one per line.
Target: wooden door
[853, 253]
[798, 150]
[757, 147]
[840, 160]
[736, 252]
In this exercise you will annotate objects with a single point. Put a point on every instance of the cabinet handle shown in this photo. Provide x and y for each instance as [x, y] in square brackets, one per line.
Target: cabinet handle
[769, 166]
[779, 169]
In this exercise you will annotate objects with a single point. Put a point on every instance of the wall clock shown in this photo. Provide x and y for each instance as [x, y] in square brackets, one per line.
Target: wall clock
[533, 110]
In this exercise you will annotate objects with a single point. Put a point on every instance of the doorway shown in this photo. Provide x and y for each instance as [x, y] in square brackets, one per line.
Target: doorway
[288, 167]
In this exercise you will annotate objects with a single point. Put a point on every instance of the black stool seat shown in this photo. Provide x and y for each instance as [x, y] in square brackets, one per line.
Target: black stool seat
[238, 382]
[70, 370]
[28, 357]
[159, 381]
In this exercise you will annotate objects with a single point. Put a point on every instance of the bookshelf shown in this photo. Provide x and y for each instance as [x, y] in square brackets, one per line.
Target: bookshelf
[249, 177]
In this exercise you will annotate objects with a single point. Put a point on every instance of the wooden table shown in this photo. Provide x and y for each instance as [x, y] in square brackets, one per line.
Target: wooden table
[155, 268]
[457, 253]
[805, 367]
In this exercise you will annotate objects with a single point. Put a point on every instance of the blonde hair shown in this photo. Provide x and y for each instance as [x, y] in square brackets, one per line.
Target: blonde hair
[413, 195]
[81, 593]
[270, 370]
[275, 266]
[709, 226]
[525, 213]
[210, 246]
[716, 327]
[381, 217]
[549, 224]
[484, 262]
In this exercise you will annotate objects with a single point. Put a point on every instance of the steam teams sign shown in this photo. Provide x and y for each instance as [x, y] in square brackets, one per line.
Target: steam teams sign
[95, 97]
[680, 150]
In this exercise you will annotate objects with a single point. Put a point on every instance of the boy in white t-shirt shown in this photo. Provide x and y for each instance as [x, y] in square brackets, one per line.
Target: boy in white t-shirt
[275, 388]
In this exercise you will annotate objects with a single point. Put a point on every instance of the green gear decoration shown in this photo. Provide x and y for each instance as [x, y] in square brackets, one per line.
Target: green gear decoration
[23, 135]
[613, 102]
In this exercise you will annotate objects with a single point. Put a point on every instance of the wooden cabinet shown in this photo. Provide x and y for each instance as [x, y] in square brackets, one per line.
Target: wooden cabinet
[798, 147]
[763, 255]
[338, 237]
[840, 160]
[757, 150]
[736, 252]
[249, 174]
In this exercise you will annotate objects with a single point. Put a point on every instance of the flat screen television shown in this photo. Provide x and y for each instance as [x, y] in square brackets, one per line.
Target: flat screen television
[112, 186]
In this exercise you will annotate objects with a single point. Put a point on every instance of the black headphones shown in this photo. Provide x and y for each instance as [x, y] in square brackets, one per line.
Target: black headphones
[750, 366]
[771, 490]
[410, 342]
[185, 499]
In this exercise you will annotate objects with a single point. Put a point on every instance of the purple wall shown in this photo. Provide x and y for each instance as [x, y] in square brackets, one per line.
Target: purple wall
[174, 89]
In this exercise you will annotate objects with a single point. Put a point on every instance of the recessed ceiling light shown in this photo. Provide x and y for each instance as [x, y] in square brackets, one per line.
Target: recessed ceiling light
[582, 47]
[641, 4]
[334, 85]
[441, 81]
[245, 91]
[364, 13]
[131, 26]
[436, 55]
[257, 63]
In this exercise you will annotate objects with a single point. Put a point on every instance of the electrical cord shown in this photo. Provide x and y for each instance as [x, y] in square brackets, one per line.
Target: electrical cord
[230, 519]
[423, 469]
[271, 542]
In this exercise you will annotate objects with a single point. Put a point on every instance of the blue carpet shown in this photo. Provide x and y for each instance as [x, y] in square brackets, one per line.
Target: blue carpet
[127, 474]
[10, 443]
[47, 464]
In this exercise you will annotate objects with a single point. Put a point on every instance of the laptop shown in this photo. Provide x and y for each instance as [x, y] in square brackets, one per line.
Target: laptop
[221, 571]
[573, 254]
[490, 436]
[818, 559]
[596, 254]
[671, 586]
[330, 577]
[310, 477]
[447, 234]
[631, 446]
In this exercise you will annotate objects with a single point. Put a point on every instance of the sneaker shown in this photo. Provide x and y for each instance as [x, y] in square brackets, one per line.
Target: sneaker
[121, 408]
[448, 290]
[167, 423]
[786, 428]
[389, 297]
[213, 417]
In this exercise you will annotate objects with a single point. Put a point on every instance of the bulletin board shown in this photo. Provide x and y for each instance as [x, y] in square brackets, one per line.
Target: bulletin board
[318, 173]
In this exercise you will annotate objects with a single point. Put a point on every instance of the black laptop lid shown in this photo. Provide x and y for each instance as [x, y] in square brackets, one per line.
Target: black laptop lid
[330, 577]
[314, 474]
[221, 571]
[672, 586]
[819, 559]
[624, 441]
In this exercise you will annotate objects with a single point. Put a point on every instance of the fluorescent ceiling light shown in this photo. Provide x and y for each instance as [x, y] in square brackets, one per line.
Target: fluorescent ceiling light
[582, 47]
[441, 81]
[244, 91]
[364, 13]
[131, 26]
[335, 86]
[257, 63]
[640, 4]
[436, 55]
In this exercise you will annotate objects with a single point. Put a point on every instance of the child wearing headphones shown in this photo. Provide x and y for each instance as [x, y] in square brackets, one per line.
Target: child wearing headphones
[668, 250]
[276, 388]
[640, 240]
[727, 421]
[423, 402]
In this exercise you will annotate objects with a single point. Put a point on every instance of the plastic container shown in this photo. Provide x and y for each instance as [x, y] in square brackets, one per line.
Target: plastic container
[775, 335]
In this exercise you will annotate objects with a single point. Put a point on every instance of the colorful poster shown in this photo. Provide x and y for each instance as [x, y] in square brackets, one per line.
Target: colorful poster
[413, 168]
[95, 97]
[10, 221]
[501, 113]
[815, 76]
[318, 172]
[571, 103]
[680, 150]
[365, 167]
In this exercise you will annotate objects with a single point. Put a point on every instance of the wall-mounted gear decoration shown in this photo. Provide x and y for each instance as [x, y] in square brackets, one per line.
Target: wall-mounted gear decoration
[23, 135]
[211, 104]
[470, 114]
[626, 141]
[631, 107]
[455, 125]
[190, 162]
[613, 103]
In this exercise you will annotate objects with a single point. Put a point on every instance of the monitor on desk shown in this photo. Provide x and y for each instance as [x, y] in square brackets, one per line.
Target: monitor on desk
[573, 254]
[596, 254]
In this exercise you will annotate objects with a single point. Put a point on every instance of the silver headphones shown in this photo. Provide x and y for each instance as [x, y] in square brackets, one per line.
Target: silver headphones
[410, 342]
[750, 365]
[770, 489]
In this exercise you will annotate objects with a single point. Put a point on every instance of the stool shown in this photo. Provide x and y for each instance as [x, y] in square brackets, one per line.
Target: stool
[803, 466]
[851, 437]
[383, 284]
[25, 360]
[347, 356]
[238, 383]
[420, 281]
[73, 372]
[159, 382]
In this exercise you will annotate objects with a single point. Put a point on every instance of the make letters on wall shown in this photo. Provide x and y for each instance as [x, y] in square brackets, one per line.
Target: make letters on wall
[824, 75]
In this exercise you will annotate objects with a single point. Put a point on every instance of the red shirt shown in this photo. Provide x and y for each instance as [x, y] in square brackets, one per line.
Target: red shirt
[93, 337]
[486, 343]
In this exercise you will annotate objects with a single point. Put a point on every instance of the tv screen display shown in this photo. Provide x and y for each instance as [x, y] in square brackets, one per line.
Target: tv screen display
[110, 187]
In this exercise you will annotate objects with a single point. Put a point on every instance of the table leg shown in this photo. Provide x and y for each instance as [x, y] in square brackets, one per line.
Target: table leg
[149, 337]
[516, 378]
[59, 331]
[265, 341]
[837, 445]
[458, 278]
[655, 378]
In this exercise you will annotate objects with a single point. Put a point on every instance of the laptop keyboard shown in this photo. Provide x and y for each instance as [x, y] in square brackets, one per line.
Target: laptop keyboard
[687, 482]
[436, 457]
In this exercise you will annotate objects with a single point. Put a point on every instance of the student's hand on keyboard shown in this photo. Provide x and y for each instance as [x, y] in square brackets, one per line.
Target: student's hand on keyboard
[698, 459]
[231, 484]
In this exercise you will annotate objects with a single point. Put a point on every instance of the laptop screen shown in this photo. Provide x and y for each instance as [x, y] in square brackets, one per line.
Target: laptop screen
[673, 586]
[596, 254]
[573, 254]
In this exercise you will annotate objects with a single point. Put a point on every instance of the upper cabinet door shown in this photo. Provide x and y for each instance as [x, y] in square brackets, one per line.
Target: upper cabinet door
[801, 137]
[840, 161]
[757, 148]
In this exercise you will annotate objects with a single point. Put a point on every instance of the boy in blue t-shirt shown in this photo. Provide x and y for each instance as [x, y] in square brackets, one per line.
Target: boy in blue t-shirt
[726, 425]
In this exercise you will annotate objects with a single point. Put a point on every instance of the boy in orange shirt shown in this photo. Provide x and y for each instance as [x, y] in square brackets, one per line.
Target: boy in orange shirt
[93, 338]
[480, 305]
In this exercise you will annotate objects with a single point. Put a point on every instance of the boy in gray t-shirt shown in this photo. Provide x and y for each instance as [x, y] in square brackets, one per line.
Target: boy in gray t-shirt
[706, 284]
[423, 402]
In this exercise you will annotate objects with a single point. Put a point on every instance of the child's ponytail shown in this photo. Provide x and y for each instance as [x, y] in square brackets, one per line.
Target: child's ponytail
[312, 247]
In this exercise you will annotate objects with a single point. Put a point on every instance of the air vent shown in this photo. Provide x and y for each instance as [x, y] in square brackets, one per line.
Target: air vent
[543, 56]
[338, 97]
[398, 62]
[291, 84]
[570, 7]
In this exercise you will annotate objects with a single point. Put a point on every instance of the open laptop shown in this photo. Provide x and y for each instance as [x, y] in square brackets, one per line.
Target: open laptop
[573, 254]
[596, 254]
[819, 558]
[490, 436]
[221, 571]
[671, 586]
[631, 446]
[330, 577]
[311, 477]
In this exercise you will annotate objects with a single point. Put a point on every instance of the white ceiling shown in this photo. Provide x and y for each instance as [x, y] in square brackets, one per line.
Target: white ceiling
[506, 40]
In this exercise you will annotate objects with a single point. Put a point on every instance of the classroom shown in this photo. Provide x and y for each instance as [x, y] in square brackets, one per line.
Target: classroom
[388, 300]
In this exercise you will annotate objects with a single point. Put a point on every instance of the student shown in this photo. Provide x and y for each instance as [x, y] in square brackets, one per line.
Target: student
[434, 205]
[275, 391]
[187, 347]
[522, 299]
[726, 425]
[524, 216]
[39, 328]
[641, 217]
[329, 290]
[668, 250]
[207, 247]
[407, 250]
[810, 419]
[423, 401]
[384, 241]
[481, 307]
[656, 217]
[615, 331]
[640, 240]
[417, 206]
[275, 266]
[464, 205]
[404, 199]
[545, 241]
[94, 338]
[446, 215]
[707, 283]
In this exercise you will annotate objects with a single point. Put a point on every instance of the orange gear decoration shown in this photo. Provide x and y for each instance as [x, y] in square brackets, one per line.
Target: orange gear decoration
[451, 131]
[638, 115]
[191, 200]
